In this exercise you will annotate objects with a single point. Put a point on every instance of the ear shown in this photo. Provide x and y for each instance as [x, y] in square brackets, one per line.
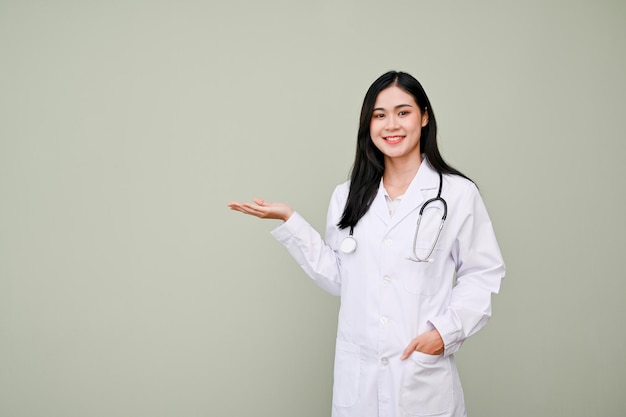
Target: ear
[425, 117]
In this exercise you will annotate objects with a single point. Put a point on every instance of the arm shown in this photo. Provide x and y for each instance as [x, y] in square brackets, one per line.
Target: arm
[480, 269]
[310, 251]
[318, 259]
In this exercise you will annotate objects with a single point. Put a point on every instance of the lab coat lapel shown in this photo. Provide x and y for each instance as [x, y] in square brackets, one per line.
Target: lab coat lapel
[379, 205]
[425, 180]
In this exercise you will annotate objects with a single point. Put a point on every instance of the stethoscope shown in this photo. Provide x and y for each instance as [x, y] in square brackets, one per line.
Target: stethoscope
[348, 244]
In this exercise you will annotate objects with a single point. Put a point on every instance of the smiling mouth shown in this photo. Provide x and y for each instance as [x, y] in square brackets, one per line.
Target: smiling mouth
[393, 139]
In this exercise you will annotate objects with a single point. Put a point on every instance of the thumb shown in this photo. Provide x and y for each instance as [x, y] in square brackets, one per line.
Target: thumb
[259, 201]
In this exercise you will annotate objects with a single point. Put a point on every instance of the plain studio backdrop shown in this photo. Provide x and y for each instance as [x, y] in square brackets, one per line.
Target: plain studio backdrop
[127, 288]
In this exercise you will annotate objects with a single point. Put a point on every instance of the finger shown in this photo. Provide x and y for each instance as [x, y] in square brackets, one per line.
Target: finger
[409, 349]
[260, 201]
[239, 206]
[234, 206]
[257, 201]
[253, 210]
[240, 209]
[247, 208]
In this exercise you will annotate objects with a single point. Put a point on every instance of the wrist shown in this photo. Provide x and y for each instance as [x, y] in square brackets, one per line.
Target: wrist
[287, 215]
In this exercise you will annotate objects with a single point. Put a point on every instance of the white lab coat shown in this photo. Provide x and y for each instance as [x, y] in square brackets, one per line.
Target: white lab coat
[387, 300]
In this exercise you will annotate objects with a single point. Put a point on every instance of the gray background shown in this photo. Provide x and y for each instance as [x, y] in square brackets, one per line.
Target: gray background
[127, 288]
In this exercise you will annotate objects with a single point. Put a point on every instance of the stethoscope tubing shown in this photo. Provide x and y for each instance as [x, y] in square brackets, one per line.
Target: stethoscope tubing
[415, 257]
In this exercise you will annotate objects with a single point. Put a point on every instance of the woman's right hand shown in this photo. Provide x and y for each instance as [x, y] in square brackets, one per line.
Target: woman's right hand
[263, 210]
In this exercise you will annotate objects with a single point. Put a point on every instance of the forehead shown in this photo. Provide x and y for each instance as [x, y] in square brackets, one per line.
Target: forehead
[393, 96]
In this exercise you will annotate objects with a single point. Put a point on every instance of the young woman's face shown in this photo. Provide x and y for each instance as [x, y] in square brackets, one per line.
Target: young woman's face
[396, 124]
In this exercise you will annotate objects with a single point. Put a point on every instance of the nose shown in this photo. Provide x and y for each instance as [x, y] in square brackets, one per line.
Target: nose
[392, 123]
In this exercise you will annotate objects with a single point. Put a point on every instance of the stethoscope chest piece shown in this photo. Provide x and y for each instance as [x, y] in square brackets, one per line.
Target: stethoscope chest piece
[348, 244]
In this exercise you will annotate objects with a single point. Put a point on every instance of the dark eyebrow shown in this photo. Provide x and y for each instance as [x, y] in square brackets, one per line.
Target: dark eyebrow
[399, 106]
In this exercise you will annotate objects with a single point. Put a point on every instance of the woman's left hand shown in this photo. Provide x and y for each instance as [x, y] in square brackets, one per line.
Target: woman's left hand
[430, 343]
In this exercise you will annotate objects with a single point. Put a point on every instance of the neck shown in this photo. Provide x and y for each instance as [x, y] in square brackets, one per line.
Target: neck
[399, 174]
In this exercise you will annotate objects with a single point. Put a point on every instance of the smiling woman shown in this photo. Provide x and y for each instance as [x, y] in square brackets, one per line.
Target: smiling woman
[403, 316]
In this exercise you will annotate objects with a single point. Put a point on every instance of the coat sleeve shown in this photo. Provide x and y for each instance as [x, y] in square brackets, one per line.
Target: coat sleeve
[318, 258]
[479, 272]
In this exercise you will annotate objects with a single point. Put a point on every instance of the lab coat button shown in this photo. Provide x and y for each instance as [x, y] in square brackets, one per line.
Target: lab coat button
[384, 361]
[388, 242]
[384, 320]
[386, 281]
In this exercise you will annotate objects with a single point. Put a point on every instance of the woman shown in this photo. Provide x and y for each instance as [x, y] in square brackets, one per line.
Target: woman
[411, 290]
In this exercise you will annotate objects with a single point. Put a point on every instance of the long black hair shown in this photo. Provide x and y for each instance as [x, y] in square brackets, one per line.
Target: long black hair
[369, 163]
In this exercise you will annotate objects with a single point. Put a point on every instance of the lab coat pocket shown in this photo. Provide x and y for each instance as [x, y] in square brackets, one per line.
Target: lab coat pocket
[424, 278]
[347, 373]
[427, 385]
